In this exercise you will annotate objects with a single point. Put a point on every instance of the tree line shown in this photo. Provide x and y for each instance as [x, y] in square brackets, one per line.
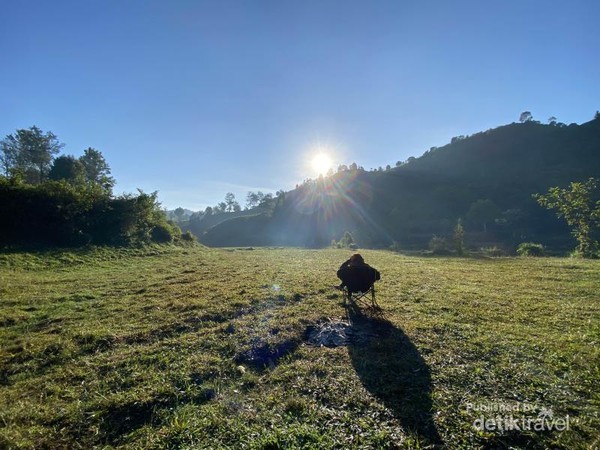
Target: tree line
[52, 199]
[230, 204]
[29, 155]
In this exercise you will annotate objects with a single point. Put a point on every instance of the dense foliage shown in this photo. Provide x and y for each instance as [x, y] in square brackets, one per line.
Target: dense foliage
[68, 201]
[579, 205]
[29, 152]
[59, 213]
[530, 249]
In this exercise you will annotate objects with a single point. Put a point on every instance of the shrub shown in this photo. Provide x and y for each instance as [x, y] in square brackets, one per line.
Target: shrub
[438, 246]
[531, 249]
[347, 241]
[458, 238]
[161, 233]
[494, 251]
[59, 213]
[188, 236]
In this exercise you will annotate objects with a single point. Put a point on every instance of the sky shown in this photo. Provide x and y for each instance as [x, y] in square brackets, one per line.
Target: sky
[195, 99]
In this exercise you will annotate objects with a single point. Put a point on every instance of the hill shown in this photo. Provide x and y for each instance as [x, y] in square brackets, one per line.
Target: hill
[486, 179]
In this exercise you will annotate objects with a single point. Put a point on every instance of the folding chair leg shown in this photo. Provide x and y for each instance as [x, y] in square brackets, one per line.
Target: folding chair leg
[347, 296]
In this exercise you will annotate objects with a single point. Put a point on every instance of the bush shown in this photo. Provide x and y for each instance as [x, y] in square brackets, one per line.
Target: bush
[458, 238]
[438, 246]
[162, 233]
[188, 236]
[494, 251]
[531, 249]
[57, 213]
[347, 241]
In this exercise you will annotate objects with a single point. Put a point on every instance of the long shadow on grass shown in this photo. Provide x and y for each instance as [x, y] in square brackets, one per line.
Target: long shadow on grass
[392, 369]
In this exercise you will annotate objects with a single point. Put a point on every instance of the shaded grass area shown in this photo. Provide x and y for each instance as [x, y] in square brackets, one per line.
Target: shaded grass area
[190, 347]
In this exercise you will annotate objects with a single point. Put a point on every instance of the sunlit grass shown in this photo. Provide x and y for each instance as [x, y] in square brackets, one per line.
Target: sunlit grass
[198, 348]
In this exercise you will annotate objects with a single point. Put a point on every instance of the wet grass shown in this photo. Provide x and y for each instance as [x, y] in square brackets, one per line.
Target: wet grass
[195, 348]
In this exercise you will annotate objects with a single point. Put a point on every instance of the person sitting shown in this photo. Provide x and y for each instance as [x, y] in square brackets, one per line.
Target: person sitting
[356, 275]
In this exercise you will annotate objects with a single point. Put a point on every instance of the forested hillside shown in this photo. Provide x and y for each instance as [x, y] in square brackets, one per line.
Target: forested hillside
[485, 180]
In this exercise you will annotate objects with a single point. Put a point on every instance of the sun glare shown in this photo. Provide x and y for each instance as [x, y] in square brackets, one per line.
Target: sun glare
[321, 163]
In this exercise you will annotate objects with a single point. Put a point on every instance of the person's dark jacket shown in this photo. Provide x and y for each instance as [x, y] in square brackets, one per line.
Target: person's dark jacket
[357, 277]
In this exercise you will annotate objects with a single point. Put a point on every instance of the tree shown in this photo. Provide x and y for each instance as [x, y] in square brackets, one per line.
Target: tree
[482, 212]
[67, 168]
[458, 237]
[97, 170]
[179, 212]
[525, 117]
[513, 222]
[30, 152]
[8, 157]
[265, 199]
[252, 199]
[221, 207]
[580, 207]
[231, 205]
[552, 120]
[62, 214]
[196, 217]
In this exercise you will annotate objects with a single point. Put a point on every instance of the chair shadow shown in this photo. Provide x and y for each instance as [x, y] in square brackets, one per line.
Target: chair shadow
[392, 369]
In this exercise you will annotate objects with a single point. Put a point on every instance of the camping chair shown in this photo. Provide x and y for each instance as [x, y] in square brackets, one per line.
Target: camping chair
[359, 284]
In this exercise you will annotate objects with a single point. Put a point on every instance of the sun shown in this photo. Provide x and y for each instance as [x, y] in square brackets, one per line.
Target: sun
[321, 163]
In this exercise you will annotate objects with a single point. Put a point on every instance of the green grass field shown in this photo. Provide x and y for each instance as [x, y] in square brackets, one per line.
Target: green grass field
[172, 347]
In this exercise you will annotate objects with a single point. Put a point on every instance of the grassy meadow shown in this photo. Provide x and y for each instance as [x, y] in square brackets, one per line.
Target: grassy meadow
[170, 347]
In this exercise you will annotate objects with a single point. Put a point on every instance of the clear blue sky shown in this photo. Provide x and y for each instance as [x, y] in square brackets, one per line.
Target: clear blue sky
[197, 98]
